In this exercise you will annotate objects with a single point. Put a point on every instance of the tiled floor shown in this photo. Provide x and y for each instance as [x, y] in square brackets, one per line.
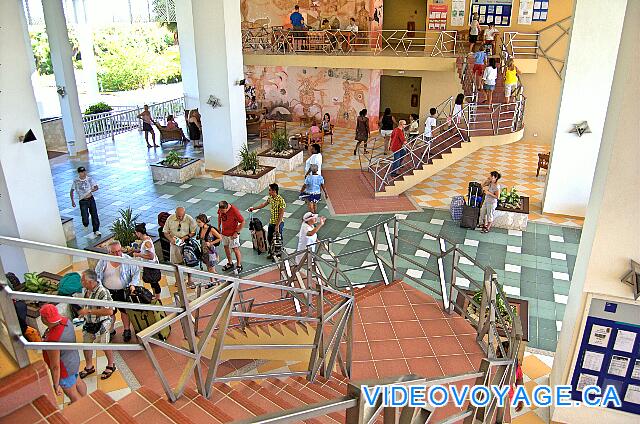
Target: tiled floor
[536, 369]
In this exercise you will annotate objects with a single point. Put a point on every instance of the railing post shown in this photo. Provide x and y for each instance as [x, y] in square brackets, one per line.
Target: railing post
[453, 291]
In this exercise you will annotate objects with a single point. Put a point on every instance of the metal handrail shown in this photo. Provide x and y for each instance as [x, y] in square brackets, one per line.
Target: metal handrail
[279, 40]
[521, 44]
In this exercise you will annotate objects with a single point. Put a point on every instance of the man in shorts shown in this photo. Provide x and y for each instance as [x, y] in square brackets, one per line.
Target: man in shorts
[147, 126]
[230, 223]
[97, 322]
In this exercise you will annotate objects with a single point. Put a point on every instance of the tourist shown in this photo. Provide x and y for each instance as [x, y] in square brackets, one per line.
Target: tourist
[491, 196]
[308, 234]
[84, 185]
[456, 115]
[430, 125]
[414, 124]
[398, 141]
[147, 252]
[315, 129]
[315, 133]
[178, 228]
[489, 81]
[362, 131]
[118, 277]
[314, 159]
[387, 122]
[326, 124]
[474, 31]
[276, 220]
[230, 223]
[209, 238]
[490, 37]
[311, 191]
[63, 364]
[147, 126]
[97, 322]
[479, 62]
[297, 22]
[194, 126]
[511, 77]
[353, 27]
[173, 125]
[325, 26]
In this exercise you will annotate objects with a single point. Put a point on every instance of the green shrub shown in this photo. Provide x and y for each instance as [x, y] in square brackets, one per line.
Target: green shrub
[99, 107]
[42, 52]
[123, 228]
[279, 141]
[248, 159]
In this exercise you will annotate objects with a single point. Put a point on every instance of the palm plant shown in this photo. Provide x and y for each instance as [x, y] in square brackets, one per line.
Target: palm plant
[123, 228]
[279, 141]
[172, 160]
[248, 159]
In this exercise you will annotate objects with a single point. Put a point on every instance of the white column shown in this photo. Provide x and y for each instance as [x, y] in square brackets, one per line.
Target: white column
[219, 65]
[27, 38]
[184, 17]
[28, 207]
[85, 39]
[611, 229]
[590, 65]
[63, 69]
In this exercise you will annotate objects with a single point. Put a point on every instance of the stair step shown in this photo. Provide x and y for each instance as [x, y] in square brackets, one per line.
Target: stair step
[98, 406]
[34, 411]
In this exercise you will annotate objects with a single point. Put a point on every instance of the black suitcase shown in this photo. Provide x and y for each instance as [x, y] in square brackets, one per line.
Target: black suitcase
[258, 236]
[470, 217]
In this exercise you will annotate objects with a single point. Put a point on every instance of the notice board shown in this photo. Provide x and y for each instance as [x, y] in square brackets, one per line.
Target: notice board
[492, 11]
[609, 353]
[437, 17]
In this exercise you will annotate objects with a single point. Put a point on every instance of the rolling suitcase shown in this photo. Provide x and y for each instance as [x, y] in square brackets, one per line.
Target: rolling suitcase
[471, 210]
[258, 236]
[457, 204]
[143, 319]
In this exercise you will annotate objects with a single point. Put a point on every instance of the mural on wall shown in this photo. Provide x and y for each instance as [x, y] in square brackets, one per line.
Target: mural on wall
[290, 93]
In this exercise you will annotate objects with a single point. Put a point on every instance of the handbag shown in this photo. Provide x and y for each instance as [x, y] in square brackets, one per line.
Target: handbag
[92, 327]
[140, 295]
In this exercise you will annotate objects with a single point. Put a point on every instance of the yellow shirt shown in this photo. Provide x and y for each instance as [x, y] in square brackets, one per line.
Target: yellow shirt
[510, 77]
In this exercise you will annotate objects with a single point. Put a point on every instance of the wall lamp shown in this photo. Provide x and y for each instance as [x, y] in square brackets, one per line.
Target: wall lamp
[27, 137]
[61, 91]
[633, 279]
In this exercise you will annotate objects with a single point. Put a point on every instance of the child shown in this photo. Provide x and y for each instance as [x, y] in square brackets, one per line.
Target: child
[430, 125]
[479, 62]
[315, 129]
[311, 189]
[457, 109]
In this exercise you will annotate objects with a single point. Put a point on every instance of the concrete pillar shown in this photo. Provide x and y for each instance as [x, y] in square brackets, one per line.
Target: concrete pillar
[590, 65]
[28, 206]
[188, 64]
[216, 51]
[610, 237]
[27, 38]
[85, 38]
[63, 69]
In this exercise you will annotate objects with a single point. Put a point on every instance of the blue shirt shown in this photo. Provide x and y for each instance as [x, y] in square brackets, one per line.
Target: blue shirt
[296, 19]
[313, 183]
[480, 57]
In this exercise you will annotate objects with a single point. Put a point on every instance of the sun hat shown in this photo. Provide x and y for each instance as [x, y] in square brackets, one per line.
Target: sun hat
[307, 216]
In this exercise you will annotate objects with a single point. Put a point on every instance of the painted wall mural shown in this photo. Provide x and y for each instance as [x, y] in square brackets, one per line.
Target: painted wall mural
[290, 93]
[367, 13]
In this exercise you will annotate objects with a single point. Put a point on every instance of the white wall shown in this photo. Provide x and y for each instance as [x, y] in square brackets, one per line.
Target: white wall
[611, 234]
[589, 71]
[188, 60]
[28, 208]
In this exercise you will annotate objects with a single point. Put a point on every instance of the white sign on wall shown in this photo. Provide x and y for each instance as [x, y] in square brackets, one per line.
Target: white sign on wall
[457, 12]
[525, 12]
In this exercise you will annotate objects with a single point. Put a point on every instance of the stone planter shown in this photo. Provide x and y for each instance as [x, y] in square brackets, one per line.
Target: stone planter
[188, 170]
[288, 162]
[101, 246]
[67, 227]
[233, 181]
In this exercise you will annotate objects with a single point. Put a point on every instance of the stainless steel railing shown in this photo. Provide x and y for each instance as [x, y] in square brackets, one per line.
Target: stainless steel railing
[279, 40]
[521, 44]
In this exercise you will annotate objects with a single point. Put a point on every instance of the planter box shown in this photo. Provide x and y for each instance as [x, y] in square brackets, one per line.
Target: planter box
[512, 219]
[189, 170]
[249, 183]
[67, 227]
[101, 245]
[289, 162]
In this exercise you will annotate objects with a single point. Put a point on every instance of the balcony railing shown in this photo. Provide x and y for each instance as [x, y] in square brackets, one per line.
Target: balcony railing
[279, 40]
[521, 45]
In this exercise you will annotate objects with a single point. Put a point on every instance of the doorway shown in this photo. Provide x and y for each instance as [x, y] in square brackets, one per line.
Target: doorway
[401, 94]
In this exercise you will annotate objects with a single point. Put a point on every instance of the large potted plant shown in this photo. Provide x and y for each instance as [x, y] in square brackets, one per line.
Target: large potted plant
[176, 169]
[123, 230]
[249, 176]
[281, 155]
[510, 199]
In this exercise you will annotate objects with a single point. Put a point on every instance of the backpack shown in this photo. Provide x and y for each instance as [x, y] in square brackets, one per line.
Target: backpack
[255, 224]
[70, 284]
[191, 253]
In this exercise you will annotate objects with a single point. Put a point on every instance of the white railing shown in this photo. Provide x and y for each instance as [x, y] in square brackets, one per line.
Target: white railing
[521, 44]
[108, 124]
[279, 40]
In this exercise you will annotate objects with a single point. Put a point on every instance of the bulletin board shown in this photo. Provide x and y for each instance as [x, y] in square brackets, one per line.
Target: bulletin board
[492, 11]
[609, 353]
[540, 10]
[437, 17]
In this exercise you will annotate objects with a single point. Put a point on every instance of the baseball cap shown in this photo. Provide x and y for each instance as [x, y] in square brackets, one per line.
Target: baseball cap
[307, 216]
[50, 313]
[81, 169]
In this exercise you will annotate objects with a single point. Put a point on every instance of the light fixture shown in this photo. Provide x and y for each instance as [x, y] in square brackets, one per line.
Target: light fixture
[633, 279]
[214, 102]
[581, 128]
[241, 82]
[27, 137]
[61, 90]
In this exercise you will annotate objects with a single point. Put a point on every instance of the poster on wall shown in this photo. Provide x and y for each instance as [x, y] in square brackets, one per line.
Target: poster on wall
[457, 12]
[496, 12]
[438, 17]
[540, 11]
[525, 12]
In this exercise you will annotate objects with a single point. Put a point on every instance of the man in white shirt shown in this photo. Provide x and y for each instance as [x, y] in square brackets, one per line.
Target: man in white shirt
[85, 186]
[430, 124]
[353, 27]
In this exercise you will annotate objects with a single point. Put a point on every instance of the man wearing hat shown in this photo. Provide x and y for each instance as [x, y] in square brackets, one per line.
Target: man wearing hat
[85, 186]
[309, 232]
[63, 364]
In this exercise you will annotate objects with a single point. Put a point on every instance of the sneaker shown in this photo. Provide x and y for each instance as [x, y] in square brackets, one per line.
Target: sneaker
[97, 233]
[228, 267]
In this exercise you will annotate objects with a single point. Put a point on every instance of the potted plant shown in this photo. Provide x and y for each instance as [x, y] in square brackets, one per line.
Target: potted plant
[99, 107]
[123, 228]
[250, 175]
[281, 155]
[248, 160]
[510, 199]
[500, 305]
[176, 169]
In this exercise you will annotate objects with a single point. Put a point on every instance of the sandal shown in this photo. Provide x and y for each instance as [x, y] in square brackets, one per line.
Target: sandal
[126, 335]
[108, 371]
[87, 372]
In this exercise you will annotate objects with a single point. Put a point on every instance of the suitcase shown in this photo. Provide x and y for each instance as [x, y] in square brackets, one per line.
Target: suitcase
[259, 239]
[470, 217]
[143, 319]
[474, 194]
[457, 203]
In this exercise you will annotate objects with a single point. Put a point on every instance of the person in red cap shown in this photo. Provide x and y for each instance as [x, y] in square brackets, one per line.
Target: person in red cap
[64, 364]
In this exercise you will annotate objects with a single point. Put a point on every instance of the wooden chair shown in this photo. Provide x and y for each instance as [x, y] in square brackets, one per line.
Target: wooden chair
[317, 138]
[543, 162]
[171, 134]
[280, 125]
[266, 129]
[253, 122]
[330, 132]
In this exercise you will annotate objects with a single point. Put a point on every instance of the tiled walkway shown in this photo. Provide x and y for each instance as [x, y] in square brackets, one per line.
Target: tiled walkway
[535, 265]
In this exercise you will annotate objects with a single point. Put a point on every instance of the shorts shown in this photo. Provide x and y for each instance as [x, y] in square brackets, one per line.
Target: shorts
[147, 127]
[386, 133]
[473, 38]
[69, 381]
[488, 87]
[478, 69]
[118, 296]
[510, 88]
[175, 255]
[101, 337]
[231, 242]
[210, 258]
[311, 197]
[486, 211]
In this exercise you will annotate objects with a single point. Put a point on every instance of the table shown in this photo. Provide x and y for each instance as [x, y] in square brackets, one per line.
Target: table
[512, 219]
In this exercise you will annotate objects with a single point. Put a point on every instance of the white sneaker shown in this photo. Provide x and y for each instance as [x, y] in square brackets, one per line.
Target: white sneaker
[97, 234]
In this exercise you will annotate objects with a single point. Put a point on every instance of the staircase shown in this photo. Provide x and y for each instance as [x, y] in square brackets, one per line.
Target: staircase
[478, 125]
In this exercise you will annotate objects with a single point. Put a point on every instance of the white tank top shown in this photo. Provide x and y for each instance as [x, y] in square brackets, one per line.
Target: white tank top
[144, 249]
[111, 278]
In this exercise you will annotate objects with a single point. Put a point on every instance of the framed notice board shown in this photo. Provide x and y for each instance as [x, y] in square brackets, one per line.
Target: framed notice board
[609, 353]
[492, 11]
[540, 10]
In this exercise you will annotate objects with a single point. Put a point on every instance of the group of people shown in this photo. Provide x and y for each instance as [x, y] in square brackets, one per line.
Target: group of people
[193, 122]
[485, 73]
